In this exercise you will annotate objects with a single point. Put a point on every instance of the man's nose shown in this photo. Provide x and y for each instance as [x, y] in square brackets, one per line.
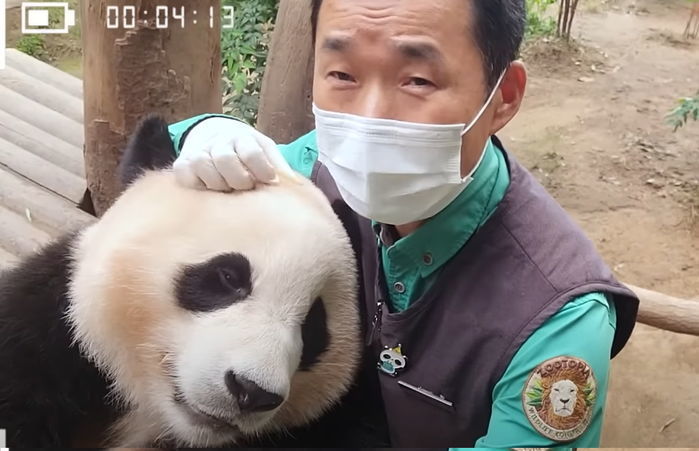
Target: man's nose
[250, 396]
[375, 103]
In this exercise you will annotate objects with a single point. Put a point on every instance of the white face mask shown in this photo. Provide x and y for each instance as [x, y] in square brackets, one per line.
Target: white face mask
[394, 172]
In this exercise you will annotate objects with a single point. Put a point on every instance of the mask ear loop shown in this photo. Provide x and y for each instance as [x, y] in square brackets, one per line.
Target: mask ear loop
[486, 104]
[468, 178]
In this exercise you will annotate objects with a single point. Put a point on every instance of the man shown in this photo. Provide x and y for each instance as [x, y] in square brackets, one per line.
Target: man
[491, 318]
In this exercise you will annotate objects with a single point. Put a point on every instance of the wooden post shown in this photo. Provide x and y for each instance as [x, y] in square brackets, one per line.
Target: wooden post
[173, 71]
[285, 104]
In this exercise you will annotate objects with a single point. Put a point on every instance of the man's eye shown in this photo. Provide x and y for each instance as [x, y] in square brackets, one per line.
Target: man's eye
[417, 81]
[342, 76]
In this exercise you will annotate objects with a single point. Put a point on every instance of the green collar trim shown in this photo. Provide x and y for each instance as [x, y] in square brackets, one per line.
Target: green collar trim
[442, 236]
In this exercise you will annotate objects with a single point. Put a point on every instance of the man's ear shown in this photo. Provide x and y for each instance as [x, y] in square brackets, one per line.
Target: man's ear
[149, 148]
[512, 90]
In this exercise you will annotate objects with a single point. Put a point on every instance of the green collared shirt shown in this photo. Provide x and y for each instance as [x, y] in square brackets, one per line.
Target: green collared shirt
[413, 262]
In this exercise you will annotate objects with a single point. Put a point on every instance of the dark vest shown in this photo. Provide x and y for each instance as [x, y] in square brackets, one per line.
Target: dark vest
[516, 271]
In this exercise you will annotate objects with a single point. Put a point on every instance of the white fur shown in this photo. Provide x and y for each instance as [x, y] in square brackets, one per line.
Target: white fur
[125, 315]
[563, 390]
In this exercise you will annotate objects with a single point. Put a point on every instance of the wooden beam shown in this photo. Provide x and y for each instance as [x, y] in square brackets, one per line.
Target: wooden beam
[42, 71]
[49, 212]
[42, 117]
[44, 173]
[42, 144]
[667, 312]
[18, 235]
[7, 259]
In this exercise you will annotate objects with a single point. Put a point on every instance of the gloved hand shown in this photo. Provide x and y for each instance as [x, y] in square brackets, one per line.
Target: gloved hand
[223, 154]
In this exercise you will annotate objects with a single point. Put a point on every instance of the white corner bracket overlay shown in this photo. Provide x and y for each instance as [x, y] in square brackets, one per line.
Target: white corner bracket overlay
[3, 33]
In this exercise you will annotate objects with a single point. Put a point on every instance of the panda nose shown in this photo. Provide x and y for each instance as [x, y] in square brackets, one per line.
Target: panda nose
[250, 396]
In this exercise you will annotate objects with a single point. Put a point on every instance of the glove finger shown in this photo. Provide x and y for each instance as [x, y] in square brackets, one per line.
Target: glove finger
[254, 158]
[185, 176]
[229, 165]
[274, 155]
[205, 169]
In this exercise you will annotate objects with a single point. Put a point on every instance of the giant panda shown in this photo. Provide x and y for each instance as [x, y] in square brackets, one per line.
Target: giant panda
[184, 318]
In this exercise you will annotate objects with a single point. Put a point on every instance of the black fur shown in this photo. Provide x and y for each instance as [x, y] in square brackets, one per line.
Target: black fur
[214, 284]
[149, 148]
[47, 389]
[358, 421]
[314, 333]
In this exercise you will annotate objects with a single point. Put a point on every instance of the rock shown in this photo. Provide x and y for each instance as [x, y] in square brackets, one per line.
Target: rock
[655, 183]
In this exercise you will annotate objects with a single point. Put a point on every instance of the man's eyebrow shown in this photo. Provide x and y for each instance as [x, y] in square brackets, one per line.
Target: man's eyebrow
[419, 51]
[336, 43]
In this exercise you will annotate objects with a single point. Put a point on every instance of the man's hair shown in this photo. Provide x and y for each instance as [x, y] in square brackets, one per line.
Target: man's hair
[499, 30]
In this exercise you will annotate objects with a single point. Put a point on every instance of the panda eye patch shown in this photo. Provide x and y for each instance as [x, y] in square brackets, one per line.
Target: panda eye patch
[214, 284]
[314, 333]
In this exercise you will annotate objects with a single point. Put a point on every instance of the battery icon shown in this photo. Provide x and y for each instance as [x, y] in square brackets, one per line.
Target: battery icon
[36, 18]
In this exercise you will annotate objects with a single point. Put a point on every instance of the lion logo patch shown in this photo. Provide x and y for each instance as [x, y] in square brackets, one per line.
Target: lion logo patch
[559, 397]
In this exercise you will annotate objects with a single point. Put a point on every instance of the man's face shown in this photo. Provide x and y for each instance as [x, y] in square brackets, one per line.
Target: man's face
[409, 60]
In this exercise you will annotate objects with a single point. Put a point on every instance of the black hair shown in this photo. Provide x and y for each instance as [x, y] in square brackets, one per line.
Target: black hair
[499, 32]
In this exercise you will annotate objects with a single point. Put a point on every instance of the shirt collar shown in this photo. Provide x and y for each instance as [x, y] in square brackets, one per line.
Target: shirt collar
[440, 237]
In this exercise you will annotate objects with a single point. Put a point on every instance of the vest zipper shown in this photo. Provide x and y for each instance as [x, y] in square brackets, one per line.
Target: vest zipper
[376, 323]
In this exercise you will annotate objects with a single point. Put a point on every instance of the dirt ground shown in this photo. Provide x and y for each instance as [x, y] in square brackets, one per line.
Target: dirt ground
[592, 129]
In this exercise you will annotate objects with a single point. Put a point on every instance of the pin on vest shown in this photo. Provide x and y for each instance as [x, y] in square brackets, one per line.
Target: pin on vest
[392, 360]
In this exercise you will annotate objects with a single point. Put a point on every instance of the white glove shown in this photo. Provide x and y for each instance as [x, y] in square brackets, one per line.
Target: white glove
[224, 154]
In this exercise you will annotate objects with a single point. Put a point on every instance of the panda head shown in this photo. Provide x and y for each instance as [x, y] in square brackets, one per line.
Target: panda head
[215, 315]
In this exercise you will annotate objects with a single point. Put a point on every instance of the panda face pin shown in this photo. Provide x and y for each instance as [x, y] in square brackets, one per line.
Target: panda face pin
[392, 360]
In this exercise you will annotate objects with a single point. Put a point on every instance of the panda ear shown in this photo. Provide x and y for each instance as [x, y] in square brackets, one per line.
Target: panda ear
[149, 148]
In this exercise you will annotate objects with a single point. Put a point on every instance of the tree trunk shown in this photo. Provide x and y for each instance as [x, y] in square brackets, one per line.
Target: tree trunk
[286, 98]
[573, 8]
[566, 11]
[559, 24]
[173, 71]
[693, 14]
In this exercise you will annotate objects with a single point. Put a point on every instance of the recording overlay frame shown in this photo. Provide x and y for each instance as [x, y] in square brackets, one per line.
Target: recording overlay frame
[3, 32]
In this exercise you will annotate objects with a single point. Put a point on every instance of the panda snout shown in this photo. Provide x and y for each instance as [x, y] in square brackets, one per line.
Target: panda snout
[250, 396]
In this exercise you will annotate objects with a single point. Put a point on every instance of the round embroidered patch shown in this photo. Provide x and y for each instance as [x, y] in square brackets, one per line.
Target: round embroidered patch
[559, 397]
